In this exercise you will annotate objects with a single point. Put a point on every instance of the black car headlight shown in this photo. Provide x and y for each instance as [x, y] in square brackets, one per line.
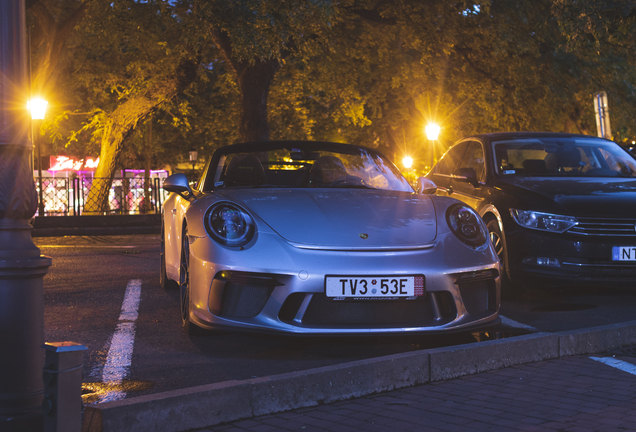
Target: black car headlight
[543, 221]
[466, 225]
[229, 224]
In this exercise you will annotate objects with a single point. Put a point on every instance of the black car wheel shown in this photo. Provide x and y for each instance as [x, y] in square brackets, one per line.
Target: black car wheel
[499, 243]
[166, 283]
[184, 287]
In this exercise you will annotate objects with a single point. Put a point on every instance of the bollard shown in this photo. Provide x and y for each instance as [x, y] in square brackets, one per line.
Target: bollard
[62, 405]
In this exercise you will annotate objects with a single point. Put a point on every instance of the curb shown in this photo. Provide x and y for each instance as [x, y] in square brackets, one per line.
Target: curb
[96, 225]
[209, 405]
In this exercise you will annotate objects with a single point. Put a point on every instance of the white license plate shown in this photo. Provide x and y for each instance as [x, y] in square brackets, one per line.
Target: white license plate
[374, 286]
[624, 253]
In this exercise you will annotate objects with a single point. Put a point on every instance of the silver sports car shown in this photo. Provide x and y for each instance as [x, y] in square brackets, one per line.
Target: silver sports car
[323, 238]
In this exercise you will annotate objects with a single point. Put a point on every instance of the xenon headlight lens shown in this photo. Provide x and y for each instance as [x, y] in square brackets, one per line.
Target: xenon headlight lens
[229, 224]
[543, 221]
[467, 225]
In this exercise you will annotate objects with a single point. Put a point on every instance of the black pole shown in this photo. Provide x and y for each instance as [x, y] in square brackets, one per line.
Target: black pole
[40, 198]
[22, 268]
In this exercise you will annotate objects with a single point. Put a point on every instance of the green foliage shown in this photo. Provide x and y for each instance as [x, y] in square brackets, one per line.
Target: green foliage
[372, 72]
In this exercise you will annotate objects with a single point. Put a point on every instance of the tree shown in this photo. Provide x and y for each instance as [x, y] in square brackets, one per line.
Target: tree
[254, 38]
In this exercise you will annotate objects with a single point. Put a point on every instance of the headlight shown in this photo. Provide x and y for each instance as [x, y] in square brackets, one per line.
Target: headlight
[543, 221]
[466, 225]
[229, 224]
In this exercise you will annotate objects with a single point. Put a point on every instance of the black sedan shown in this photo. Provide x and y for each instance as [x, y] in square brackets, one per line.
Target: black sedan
[559, 207]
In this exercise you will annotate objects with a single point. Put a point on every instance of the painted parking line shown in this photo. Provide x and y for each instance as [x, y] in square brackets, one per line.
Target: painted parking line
[512, 323]
[618, 364]
[119, 358]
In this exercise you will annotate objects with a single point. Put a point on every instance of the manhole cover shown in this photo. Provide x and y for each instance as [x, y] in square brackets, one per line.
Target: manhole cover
[563, 307]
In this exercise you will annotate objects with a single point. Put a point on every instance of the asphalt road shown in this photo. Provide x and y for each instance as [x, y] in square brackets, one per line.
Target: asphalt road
[91, 276]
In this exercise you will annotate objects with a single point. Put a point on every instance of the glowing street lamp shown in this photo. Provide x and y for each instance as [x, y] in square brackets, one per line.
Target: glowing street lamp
[407, 162]
[37, 107]
[432, 132]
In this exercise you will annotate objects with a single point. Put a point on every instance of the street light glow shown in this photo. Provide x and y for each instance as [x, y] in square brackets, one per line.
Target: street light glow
[432, 131]
[407, 162]
[37, 107]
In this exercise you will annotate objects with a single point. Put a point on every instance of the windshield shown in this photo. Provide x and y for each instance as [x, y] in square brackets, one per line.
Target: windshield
[353, 167]
[562, 157]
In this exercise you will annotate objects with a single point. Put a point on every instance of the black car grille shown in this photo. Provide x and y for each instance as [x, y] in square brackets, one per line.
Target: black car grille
[325, 312]
[479, 296]
[240, 294]
[604, 227]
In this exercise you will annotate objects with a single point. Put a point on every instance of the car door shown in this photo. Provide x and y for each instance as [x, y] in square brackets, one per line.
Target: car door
[472, 160]
[442, 172]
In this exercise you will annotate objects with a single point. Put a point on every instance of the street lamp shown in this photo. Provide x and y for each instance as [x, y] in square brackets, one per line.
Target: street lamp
[407, 162]
[432, 132]
[37, 107]
[193, 158]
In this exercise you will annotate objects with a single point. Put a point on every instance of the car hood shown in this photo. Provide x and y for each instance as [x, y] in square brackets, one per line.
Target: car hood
[580, 196]
[343, 218]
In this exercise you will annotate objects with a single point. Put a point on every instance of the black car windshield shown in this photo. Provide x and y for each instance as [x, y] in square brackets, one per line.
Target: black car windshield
[562, 157]
[314, 167]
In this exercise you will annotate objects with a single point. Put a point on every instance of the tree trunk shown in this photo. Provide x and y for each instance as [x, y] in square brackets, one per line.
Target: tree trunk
[120, 125]
[254, 82]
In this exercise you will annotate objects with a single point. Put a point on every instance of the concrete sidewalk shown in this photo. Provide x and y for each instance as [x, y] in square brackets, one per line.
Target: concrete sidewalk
[215, 404]
[569, 394]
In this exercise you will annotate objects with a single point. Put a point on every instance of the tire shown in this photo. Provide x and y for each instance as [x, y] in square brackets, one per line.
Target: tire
[508, 289]
[165, 283]
[184, 288]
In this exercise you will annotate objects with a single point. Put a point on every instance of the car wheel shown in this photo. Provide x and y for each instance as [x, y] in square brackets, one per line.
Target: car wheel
[165, 283]
[507, 288]
[184, 287]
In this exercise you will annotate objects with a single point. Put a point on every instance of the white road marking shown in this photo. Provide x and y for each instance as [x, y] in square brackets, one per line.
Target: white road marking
[120, 352]
[618, 364]
[512, 323]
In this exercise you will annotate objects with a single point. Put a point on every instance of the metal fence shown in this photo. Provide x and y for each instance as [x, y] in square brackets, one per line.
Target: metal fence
[68, 196]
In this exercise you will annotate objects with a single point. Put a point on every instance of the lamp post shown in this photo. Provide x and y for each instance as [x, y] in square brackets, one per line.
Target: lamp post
[193, 158]
[432, 132]
[37, 107]
[22, 268]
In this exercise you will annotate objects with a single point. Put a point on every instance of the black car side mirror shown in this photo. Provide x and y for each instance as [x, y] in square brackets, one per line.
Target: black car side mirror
[178, 183]
[466, 175]
[426, 186]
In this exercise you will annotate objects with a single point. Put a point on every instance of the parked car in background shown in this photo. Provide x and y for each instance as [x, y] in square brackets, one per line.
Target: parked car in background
[558, 207]
[323, 238]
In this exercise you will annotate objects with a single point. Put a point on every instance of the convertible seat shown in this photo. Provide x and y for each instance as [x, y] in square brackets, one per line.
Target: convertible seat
[326, 170]
[245, 170]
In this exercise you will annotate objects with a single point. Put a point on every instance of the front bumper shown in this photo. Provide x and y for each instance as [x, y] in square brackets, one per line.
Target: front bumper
[283, 290]
[566, 258]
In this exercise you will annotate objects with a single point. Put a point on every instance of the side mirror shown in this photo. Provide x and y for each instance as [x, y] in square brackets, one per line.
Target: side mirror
[466, 175]
[178, 183]
[426, 186]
